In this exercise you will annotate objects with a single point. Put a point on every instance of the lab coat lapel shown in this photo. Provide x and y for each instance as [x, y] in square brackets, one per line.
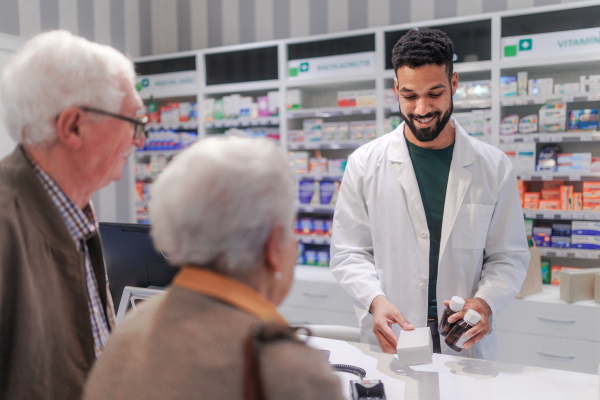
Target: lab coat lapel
[458, 182]
[403, 169]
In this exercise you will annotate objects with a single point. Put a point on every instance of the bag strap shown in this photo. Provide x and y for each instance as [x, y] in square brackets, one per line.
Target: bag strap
[259, 336]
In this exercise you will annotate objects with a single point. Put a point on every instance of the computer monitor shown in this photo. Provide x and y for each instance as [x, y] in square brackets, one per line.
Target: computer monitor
[131, 260]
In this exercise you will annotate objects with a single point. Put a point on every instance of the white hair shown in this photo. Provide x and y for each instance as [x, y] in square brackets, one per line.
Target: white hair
[216, 204]
[57, 70]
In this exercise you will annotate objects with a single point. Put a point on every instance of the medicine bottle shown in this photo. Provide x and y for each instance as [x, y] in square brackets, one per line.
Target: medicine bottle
[456, 338]
[456, 305]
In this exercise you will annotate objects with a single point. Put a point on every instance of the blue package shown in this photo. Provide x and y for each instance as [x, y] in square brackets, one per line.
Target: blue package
[583, 120]
[547, 158]
[323, 258]
[561, 242]
[585, 232]
[310, 257]
[307, 191]
[542, 236]
[329, 191]
[561, 230]
[586, 246]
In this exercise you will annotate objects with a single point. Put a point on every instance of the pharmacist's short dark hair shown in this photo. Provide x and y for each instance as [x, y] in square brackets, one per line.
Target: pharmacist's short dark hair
[422, 46]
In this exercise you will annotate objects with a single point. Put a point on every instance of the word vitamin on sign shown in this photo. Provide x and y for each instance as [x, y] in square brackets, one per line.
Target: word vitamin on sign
[332, 66]
[555, 43]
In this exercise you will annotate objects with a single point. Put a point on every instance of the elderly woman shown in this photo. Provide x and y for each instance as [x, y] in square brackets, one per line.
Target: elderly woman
[224, 211]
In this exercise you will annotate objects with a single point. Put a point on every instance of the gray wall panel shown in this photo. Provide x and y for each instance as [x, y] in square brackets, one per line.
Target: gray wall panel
[399, 11]
[215, 37]
[247, 21]
[145, 28]
[117, 24]
[445, 8]
[281, 16]
[184, 25]
[85, 18]
[9, 17]
[494, 5]
[357, 14]
[318, 17]
[49, 14]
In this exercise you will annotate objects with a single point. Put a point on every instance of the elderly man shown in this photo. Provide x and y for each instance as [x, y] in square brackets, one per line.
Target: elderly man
[71, 105]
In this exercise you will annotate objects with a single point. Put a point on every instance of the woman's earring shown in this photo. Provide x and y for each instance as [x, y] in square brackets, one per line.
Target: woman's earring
[278, 275]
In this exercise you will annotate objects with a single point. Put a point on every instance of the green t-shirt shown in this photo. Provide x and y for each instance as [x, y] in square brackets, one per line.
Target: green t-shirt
[432, 168]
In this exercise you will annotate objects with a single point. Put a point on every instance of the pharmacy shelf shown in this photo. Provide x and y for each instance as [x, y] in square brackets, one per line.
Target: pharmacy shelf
[329, 112]
[319, 177]
[569, 253]
[316, 209]
[556, 137]
[325, 145]
[152, 126]
[549, 98]
[166, 153]
[559, 176]
[310, 239]
[242, 122]
[562, 215]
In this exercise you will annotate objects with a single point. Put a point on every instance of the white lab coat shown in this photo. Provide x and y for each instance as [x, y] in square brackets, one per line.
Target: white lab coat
[380, 243]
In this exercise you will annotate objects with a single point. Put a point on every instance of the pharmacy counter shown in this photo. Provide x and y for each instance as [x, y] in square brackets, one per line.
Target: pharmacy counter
[450, 377]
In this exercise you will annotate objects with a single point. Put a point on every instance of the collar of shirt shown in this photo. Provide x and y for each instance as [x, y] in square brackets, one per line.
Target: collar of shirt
[81, 223]
[228, 290]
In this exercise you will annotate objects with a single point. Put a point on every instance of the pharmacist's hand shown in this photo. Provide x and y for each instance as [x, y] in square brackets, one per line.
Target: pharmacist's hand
[476, 333]
[384, 315]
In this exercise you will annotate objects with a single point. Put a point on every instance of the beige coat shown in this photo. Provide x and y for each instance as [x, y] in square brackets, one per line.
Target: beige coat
[186, 345]
[46, 341]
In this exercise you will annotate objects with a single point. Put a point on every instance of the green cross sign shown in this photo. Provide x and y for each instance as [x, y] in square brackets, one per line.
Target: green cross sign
[525, 44]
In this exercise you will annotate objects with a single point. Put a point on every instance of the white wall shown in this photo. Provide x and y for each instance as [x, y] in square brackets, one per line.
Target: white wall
[8, 45]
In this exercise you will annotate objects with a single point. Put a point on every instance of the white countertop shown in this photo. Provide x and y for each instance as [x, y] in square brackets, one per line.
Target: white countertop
[551, 294]
[450, 377]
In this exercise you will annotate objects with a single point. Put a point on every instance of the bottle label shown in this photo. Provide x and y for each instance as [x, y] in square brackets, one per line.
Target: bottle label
[461, 341]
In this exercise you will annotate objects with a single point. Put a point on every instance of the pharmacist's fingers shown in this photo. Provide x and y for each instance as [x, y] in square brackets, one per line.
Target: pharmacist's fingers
[387, 341]
[400, 320]
[457, 316]
[474, 340]
[447, 303]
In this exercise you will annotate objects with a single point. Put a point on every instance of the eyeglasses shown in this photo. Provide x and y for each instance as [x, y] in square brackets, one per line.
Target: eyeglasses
[139, 122]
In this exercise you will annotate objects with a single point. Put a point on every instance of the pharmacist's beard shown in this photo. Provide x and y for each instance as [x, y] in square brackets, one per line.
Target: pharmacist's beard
[431, 133]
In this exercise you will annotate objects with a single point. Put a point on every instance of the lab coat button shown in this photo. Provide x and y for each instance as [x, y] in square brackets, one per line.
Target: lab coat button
[424, 235]
[422, 286]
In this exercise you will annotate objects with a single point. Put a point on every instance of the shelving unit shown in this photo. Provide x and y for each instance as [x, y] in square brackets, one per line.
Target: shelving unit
[479, 49]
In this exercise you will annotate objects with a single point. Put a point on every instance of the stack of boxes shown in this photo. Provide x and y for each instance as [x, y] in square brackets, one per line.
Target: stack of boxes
[553, 196]
[591, 196]
[300, 162]
[315, 130]
[237, 106]
[584, 235]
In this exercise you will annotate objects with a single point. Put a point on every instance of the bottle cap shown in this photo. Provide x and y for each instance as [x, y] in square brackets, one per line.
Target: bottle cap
[457, 303]
[472, 317]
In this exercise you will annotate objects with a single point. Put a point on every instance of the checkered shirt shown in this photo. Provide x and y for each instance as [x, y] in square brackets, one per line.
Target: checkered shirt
[82, 226]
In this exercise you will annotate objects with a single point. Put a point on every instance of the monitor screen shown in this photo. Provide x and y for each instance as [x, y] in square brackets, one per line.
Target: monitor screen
[131, 260]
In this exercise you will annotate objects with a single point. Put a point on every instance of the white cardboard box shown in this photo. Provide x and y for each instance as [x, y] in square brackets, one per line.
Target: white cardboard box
[415, 347]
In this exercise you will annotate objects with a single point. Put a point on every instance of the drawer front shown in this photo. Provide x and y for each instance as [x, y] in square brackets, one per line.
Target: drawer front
[561, 320]
[547, 352]
[319, 295]
[300, 316]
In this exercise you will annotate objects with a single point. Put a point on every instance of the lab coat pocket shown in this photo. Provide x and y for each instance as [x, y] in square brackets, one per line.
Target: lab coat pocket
[471, 226]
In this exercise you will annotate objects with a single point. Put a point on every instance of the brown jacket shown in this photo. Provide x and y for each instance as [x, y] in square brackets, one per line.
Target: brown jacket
[46, 341]
[187, 345]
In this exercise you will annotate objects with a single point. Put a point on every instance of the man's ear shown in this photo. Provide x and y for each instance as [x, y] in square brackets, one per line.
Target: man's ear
[454, 82]
[68, 127]
[273, 251]
[396, 85]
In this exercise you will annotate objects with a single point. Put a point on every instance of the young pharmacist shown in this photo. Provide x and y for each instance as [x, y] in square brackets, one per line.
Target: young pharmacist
[427, 212]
